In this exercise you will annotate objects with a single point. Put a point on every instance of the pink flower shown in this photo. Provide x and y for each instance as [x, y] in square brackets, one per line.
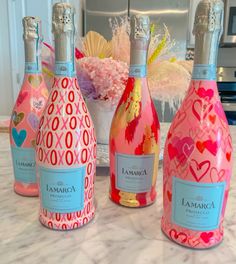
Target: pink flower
[108, 76]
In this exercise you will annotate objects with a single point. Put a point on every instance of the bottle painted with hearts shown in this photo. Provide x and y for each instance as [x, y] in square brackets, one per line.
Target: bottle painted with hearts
[66, 142]
[198, 148]
[135, 130]
[27, 111]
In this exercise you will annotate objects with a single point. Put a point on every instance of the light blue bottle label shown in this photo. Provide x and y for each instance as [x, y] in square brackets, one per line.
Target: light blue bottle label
[204, 72]
[24, 164]
[134, 173]
[62, 190]
[138, 71]
[65, 68]
[197, 206]
[32, 67]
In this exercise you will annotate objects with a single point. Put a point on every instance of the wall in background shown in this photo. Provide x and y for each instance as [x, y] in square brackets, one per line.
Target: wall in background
[11, 43]
[6, 97]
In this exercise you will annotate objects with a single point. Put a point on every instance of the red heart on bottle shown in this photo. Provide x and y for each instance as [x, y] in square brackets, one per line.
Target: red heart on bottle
[211, 146]
[206, 236]
[212, 118]
[21, 98]
[200, 146]
[172, 151]
[180, 237]
[199, 170]
[169, 195]
[205, 93]
[228, 156]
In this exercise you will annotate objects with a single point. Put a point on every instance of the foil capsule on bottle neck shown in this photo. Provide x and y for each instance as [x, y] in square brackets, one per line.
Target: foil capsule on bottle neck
[208, 28]
[32, 28]
[63, 18]
[209, 17]
[140, 28]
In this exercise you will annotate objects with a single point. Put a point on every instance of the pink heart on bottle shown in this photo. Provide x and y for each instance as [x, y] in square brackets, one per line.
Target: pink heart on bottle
[217, 176]
[33, 121]
[21, 98]
[220, 111]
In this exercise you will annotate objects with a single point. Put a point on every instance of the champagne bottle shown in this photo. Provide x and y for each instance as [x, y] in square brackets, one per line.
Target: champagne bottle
[135, 130]
[65, 143]
[198, 148]
[27, 111]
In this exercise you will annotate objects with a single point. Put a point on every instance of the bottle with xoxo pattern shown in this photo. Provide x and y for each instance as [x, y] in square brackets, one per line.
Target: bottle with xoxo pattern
[198, 148]
[65, 143]
[135, 130]
[27, 111]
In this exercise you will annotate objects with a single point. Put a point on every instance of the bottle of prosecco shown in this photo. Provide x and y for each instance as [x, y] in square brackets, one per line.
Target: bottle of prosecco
[27, 111]
[198, 148]
[66, 143]
[135, 130]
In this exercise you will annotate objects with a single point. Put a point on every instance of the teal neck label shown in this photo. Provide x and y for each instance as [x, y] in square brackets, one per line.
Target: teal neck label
[138, 71]
[204, 72]
[65, 68]
[32, 67]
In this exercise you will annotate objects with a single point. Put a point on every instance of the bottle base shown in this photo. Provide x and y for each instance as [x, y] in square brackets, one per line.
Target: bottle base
[27, 190]
[183, 240]
[56, 225]
[131, 203]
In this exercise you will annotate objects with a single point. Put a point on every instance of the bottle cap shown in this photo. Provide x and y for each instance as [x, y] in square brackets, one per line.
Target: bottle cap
[32, 28]
[63, 18]
[140, 27]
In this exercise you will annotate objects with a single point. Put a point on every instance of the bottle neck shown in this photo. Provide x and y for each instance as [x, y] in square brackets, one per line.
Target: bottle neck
[33, 56]
[64, 54]
[138, 59]
[205, 58]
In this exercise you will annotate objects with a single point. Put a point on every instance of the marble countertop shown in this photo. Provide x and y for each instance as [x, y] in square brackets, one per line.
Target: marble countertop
[116, 235]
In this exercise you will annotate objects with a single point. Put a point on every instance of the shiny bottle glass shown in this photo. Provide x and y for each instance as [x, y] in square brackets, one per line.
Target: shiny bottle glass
[66, 143]
[198, 148]
[135, 130]
[28, 109]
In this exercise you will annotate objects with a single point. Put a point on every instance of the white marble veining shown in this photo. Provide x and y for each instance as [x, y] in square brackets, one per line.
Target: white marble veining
[116, 235]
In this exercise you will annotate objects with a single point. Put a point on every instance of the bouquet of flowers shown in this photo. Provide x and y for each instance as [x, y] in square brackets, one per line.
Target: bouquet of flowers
[102, 68]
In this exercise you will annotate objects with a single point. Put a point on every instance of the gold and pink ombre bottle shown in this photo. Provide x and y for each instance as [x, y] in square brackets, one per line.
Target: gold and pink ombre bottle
[66, 142]
[198, 148]
[135, 130]
[28, 108]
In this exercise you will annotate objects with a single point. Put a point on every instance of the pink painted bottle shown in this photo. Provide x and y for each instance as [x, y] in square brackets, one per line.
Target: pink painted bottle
[28, 109]
[66, 142]
[135, 130]
[198, 148]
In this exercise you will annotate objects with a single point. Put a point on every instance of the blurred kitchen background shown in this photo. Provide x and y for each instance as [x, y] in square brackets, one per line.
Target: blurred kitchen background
[94, 15]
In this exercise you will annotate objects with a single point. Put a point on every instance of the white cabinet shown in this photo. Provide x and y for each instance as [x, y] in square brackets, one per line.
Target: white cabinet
[192, 9]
